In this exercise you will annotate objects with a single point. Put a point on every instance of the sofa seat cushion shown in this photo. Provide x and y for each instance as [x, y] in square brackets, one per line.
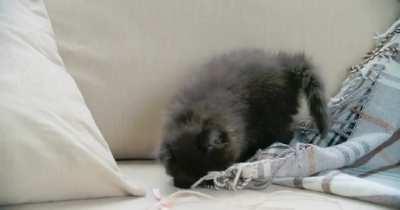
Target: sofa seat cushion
[153, 176]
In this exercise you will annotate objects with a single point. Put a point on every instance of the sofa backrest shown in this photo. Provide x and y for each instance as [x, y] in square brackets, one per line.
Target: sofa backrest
[129, 57]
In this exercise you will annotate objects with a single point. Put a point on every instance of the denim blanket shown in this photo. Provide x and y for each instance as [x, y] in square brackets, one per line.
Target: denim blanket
[360, 157]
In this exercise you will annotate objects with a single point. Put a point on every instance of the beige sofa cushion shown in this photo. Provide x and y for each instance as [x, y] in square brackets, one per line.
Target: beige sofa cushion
[50, 146]
[129, 57]
[153, 176]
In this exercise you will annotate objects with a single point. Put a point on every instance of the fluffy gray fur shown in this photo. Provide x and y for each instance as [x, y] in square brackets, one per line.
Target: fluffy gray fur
[235, 104]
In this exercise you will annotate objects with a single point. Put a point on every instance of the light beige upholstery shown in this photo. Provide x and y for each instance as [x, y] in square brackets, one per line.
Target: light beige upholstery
[49, 141]
[153, 176]
[129, 57]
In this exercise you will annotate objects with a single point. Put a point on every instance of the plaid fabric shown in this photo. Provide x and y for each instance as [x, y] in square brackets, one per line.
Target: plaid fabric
[360, 157]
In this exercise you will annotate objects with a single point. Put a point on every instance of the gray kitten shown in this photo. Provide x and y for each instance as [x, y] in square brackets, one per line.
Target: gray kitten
[234, 105]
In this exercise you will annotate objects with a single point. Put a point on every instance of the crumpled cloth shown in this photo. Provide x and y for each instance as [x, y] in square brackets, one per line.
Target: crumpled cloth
[359, 158]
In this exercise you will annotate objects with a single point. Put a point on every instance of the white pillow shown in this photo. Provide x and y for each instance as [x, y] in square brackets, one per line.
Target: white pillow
[128, 57]
[50, 147]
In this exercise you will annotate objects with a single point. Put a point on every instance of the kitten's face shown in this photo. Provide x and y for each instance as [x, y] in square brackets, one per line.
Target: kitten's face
[193, 147]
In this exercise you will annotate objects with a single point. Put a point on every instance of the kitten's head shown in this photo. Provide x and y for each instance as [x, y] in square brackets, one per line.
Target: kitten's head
[196, 141]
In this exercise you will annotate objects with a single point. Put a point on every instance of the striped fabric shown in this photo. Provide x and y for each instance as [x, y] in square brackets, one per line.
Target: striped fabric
[360, 157]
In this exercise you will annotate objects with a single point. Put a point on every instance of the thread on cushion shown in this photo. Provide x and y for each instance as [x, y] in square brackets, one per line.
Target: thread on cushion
[246, 175]
[167, 203]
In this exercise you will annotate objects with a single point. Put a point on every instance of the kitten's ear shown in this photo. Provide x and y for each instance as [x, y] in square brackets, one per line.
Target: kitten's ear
[217, 139]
